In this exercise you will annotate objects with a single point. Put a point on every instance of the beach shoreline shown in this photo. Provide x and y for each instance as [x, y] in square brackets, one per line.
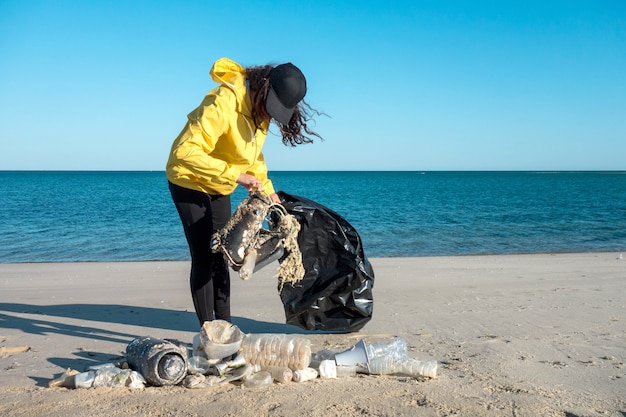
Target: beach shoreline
[523, 335]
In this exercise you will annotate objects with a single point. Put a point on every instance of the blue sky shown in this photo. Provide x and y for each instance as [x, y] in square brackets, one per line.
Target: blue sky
[407, 85]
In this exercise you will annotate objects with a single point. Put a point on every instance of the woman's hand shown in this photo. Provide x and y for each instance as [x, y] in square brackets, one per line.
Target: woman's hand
[249, 182]
[275, 198]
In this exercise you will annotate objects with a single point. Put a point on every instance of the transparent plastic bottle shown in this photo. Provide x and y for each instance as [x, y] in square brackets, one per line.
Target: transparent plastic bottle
[410, 367]
[306, 374]
[395, 349]
[269, 349]
[280, 374]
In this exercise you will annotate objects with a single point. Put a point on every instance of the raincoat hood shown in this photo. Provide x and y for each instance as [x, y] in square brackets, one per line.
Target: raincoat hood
[220, 140]
[232, 75]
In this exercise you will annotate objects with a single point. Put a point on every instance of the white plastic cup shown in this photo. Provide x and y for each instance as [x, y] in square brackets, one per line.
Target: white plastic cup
[347, 371]
[355, 356]
[328, 369]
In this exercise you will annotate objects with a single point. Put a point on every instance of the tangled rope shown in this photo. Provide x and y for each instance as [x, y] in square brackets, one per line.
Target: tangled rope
[244, 233]
[291, 269]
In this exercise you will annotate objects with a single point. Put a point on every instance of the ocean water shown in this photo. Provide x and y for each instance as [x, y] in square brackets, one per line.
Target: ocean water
[129, 216]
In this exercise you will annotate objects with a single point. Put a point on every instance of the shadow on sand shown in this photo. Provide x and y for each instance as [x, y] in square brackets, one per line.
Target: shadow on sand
[48, 321]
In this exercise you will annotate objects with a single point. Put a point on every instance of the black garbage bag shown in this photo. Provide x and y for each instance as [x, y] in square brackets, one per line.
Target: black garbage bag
[336, 291]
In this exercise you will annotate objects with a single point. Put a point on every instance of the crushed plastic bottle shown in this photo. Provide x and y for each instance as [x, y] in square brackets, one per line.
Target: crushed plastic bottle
[267, 349]
[109, 375]
[393, 358]
[395, 349]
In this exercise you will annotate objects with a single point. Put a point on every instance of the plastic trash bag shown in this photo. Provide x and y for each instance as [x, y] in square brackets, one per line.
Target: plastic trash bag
[336, 291]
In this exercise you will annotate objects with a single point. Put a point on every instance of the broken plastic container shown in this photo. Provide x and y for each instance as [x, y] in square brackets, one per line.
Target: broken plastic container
[258, 380]
[220, 339]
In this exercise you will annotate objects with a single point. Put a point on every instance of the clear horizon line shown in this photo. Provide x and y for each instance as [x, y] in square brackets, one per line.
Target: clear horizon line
[334, 170]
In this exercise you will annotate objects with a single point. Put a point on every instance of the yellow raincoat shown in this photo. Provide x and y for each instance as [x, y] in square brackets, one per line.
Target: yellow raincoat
[220, 140]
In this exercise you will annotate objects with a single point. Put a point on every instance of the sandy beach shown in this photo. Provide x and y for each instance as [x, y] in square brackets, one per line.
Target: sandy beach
[520, 335]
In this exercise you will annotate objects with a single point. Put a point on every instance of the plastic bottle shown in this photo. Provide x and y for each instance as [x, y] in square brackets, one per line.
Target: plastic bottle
[280, 374]
[161, 362]
[395, 349]
[411, 367]
[302, 375]
[269, 349]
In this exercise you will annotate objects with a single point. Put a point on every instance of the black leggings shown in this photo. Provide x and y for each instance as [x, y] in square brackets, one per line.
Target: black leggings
[202, 214]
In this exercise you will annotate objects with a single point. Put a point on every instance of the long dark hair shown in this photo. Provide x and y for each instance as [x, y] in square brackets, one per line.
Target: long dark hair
[297, 131]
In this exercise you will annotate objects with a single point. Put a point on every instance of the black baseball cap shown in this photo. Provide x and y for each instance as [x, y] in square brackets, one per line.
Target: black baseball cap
[287, 89]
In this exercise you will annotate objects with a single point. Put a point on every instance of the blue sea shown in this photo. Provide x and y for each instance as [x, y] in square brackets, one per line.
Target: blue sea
[129, 216]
